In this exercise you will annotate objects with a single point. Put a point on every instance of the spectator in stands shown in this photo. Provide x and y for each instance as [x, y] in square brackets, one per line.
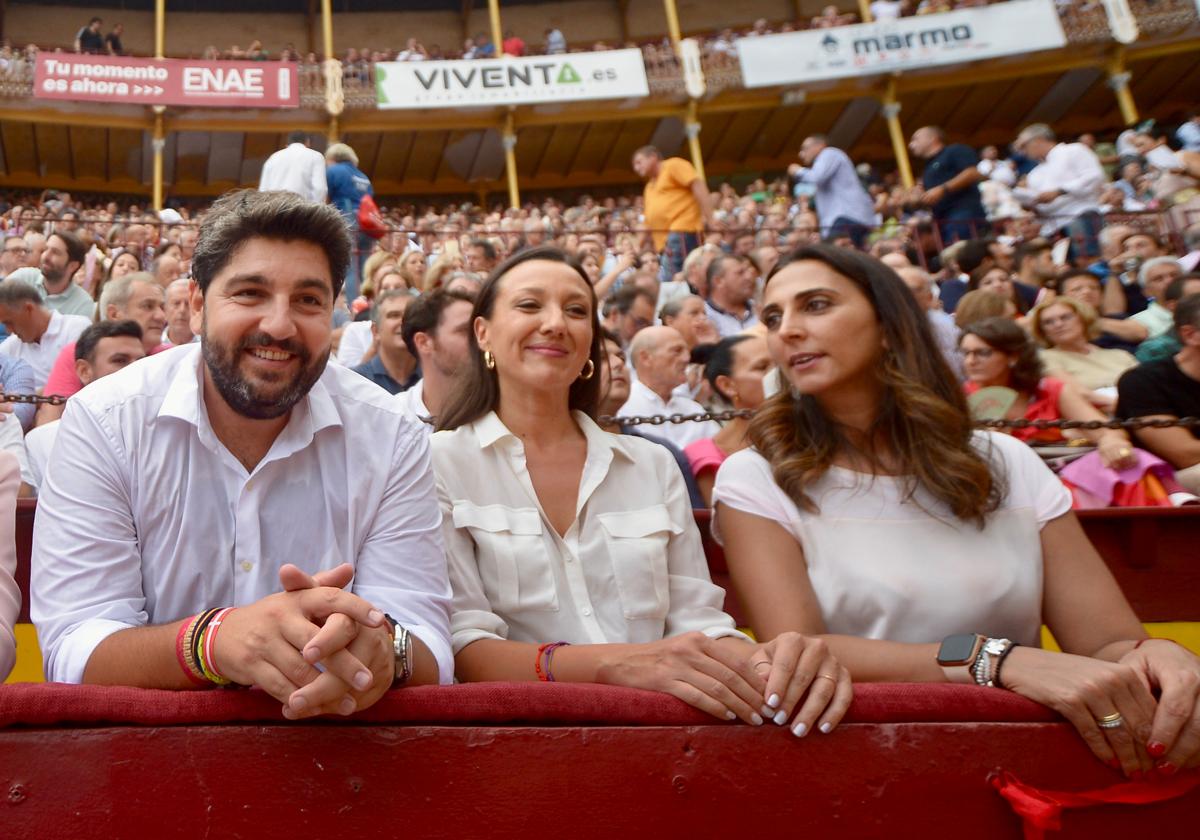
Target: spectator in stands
[256, 404]
[689, 317]
[1084, 286]
[945, 332]
[178, 312]
[166, 268]
[556, 44]
[1168, 344]
[16, 377]
[63, 256]
[866, 487]
[512, 44]
[1065, 327]
[1188, 133]
[734, 370]
[886, 10]
[16, 252]
[844, 207]
[998, 281]
[122, 264]
[102, 349]
[134, 297]
[731, 287]
[112, 41]
[522, 462]
[1127, 297]
[481, 257]
[951, 177]
[831, 17]
[634, 311]
[660, 358]
[88, 39]
[1170, 389]
[36, 334]
[998, 353]
[677, 206]
[1154, 275]
[10, 593]
[413, 51]
[1064, 188]
[436, 331]
[347, 186]
[391, 366]
[980, 305]
[297, 168]
[1036, 270]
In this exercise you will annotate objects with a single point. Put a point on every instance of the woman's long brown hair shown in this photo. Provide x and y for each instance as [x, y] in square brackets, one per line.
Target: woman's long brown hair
[476, 389]
[923, 418]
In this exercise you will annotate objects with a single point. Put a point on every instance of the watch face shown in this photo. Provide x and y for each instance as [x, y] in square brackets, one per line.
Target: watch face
[957, 649]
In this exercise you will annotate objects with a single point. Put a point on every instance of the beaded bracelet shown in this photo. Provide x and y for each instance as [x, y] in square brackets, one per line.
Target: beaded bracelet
[208, 645]
[183, 652]
[548, 649]
[1000, 664]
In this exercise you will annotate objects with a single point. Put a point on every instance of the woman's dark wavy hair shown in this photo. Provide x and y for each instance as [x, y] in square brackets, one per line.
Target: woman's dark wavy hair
[977, 277]
[1003, 335]
[923, 416]
[476, 389]
[720, 363]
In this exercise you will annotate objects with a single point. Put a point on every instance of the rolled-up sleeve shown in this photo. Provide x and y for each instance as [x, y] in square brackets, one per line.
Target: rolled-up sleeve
[401, 567]
[696, 602]
[472, 617]
[78, 599]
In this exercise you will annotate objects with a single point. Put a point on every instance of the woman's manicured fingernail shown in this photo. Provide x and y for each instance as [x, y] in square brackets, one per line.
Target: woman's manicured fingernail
[730, 716]
[1156, 749]
[800, 729]
[1166, 768]
[299, 703]
[347, 705]
[773, 701]
[375, 616]
[780, 717]
[362, 679]
[826, 728]
[756, 719]
[767, 711]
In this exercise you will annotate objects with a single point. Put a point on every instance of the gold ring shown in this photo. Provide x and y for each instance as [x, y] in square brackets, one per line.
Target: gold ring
[1113, 721]
[1125, 452]
[826, 677]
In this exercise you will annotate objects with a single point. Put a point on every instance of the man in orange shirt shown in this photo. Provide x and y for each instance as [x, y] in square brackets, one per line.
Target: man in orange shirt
[677, 206]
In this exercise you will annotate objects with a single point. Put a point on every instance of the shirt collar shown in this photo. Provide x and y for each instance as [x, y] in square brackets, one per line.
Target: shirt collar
[490, 429]
[645, 392]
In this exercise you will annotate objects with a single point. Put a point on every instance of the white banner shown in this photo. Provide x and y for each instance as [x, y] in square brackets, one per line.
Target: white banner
[910, 43]
[611, 74]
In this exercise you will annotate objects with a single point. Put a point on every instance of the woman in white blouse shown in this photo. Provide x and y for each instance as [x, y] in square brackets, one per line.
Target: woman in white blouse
[871, 513]
[557, 531]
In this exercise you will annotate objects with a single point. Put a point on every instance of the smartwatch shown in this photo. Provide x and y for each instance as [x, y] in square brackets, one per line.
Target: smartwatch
[402, 651]
[957, 655]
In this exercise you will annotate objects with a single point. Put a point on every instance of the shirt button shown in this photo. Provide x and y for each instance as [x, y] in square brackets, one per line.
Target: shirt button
[587, 611]
[247, 566]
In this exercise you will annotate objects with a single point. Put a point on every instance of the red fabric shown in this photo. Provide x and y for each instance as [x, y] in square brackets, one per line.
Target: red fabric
[54, 704]
[1041, 810]
[1043, 405]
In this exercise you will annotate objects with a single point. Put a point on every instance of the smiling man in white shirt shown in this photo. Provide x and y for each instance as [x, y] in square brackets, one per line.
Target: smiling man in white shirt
[297, 168]
[1064, 188]
[182, 485]
[660, 356]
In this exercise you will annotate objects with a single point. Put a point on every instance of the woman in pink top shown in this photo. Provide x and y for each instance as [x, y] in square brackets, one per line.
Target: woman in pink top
[735, 371]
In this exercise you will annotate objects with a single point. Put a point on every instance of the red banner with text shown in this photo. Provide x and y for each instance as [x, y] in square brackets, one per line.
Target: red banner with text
[166, 81]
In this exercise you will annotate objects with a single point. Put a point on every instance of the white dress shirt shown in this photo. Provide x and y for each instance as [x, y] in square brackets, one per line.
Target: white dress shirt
[38, 444]
[644, 402]
[1074, 169]
[10, 593]
[145, 517]
[411, 403]
[296, 169]
[40, 354]
[630, 568]
[356, 341]
[729, 324]
[12, 438]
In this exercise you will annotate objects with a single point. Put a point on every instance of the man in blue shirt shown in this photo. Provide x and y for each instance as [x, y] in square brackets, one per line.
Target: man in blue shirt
[950, 185]
[392, 367]
[843, 206]
[16, 377]
[347, 186]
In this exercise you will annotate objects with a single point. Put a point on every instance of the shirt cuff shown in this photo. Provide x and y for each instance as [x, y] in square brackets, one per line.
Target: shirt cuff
[436, 643]
[68, 659]
[726, 633]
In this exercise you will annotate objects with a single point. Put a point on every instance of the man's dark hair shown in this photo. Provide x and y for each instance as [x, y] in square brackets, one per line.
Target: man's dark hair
[649, 151]
[972, 254]
[89, 340]
[246, 214]
[1187, 313]
[390, 294]
[298, 137]
[425, 313]
[489, 250]
[76, 250]
[1174, 290]
[16, 292]
[717, 267]
[1027, 250]
[95, 20]
[626, 296]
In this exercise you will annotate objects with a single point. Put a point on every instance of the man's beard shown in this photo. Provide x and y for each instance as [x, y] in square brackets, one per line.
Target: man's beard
[239, 393]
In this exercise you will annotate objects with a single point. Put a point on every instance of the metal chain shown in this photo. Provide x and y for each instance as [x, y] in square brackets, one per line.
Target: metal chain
[34, 399]
[1132, 424]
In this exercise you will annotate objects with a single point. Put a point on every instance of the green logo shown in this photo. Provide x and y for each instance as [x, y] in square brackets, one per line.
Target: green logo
[567, 75]
[380, 89]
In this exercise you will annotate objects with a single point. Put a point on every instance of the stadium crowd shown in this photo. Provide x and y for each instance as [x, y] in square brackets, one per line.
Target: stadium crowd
[472, 466]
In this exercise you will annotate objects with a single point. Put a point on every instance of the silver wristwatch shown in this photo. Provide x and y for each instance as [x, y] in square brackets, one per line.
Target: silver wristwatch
[987, 663]
[402, 651]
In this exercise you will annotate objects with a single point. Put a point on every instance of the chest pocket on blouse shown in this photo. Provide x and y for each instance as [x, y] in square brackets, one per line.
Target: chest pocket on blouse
[513, 562]
[637, 546]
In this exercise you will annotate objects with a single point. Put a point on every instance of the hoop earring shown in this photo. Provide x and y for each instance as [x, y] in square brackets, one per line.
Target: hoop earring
[489, 361]
[589, 370]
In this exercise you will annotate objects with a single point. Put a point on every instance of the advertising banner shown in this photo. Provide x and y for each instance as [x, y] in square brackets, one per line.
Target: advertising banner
[166, 81]
[911, 43]
[610, 74]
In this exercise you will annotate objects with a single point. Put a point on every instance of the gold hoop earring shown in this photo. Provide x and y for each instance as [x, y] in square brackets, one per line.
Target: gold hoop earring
[589, 370]
[489, 361]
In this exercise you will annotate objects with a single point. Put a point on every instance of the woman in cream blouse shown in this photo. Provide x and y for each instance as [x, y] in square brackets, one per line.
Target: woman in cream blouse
[557, 531]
